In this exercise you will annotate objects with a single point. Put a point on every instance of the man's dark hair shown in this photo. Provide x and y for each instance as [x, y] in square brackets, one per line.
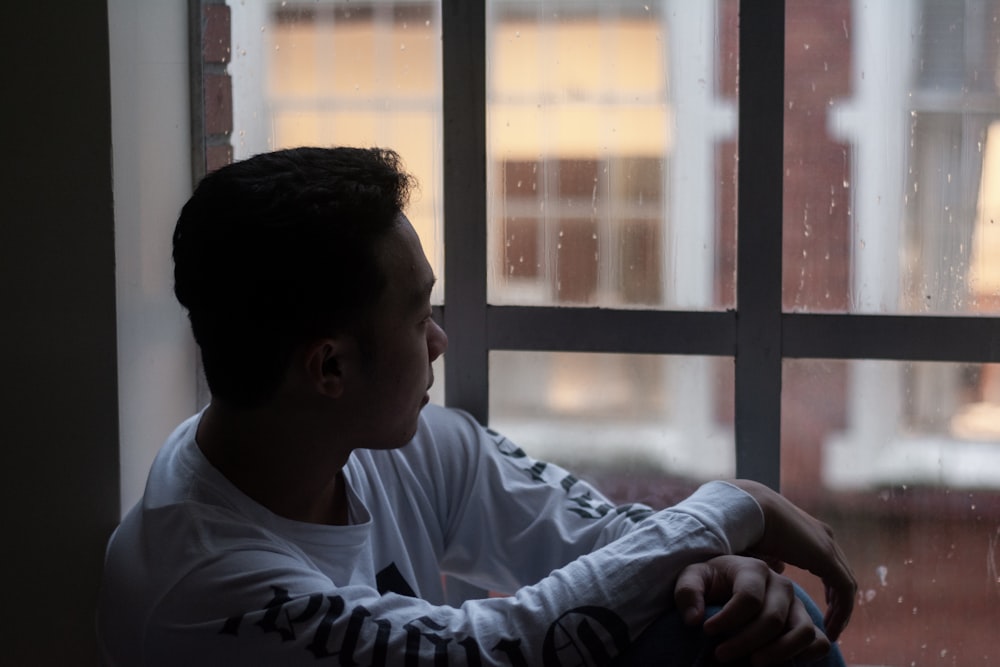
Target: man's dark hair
[277, 250]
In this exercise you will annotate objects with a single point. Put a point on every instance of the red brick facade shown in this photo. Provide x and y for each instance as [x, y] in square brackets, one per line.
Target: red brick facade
[217, 84]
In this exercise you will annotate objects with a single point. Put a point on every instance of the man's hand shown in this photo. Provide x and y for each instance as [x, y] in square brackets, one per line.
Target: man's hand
[761, 618]
[792, 536]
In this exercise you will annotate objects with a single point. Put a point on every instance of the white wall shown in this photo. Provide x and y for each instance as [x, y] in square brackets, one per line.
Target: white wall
[152, 179]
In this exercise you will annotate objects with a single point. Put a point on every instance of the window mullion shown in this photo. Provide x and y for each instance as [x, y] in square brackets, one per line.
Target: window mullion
[759, 243]
[896, 337]
[463, 25]
[607, 330]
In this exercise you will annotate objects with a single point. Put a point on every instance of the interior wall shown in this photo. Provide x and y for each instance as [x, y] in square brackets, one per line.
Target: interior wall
[59, 475]
[150, 111]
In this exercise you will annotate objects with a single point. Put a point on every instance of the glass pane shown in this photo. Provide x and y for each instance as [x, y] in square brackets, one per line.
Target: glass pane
[342, 72]
[642, 427]
[436, 392]
[611, 136]
[892, 156]
[903, 460]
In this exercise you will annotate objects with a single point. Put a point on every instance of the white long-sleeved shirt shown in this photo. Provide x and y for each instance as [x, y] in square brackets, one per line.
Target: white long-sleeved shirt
[200, 574]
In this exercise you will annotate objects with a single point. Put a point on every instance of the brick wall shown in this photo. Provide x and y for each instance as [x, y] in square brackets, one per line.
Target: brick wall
[217, 84]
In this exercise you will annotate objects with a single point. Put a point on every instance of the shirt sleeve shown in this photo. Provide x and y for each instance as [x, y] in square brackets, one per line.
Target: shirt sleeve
[259, 606]
[510, 520]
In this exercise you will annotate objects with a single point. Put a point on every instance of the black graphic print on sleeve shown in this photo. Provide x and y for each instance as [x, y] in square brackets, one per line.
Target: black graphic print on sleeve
[583, 503]
[581, 636]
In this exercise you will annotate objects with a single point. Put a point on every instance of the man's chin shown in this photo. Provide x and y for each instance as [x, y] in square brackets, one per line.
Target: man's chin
[401, 439]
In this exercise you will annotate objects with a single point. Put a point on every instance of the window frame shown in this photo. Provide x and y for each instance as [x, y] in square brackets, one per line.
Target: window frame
[758, 334]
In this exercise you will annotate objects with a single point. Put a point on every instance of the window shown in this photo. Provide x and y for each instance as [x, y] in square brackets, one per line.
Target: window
[658, 276]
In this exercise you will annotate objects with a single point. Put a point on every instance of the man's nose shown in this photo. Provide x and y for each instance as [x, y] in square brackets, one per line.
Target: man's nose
[437, 340]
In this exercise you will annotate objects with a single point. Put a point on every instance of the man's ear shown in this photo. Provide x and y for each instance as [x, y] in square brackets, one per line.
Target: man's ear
[326, 362]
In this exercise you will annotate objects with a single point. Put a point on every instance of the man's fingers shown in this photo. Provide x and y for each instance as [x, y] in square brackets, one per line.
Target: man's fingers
[761, 622]
[761, 619]
[838, 610]
[689, 592]
[841, 589]
[800, 639]
[737, 583]
[775, 564]
[745, 596]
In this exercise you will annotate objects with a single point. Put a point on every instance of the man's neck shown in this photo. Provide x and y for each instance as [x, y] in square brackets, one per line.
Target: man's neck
[282, 461]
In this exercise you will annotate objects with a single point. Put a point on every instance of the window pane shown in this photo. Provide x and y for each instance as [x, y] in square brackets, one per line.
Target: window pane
[618, 417]
[342, 72]
[610, 165]
[436, 392]
[902, 459]
[892, 150]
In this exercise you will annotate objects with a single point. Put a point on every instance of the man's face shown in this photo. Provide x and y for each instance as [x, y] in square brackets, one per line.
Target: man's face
[404, 340]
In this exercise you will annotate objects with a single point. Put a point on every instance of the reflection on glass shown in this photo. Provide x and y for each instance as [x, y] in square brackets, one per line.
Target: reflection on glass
[891, 146]
[604, 124]
[349, 73]
[903, 460]
[615, 415]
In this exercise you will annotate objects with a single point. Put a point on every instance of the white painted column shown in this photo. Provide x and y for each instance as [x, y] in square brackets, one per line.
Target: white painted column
[698, 121]
[873, 121]
[152, 180]
[252, 127]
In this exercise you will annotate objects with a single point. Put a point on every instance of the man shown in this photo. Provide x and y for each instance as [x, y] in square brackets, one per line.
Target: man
[307, 514]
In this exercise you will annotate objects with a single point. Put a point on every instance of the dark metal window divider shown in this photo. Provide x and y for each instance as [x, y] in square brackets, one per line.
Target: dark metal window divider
[758, 335]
